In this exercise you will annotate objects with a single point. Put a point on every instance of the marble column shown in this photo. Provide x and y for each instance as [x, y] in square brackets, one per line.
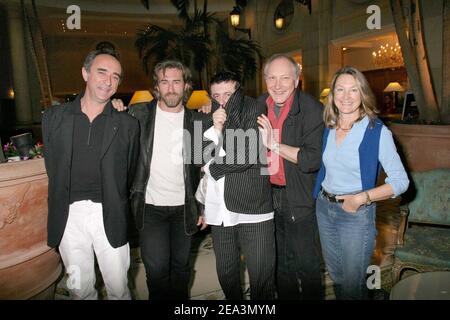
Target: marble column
[24, 115]
[329, 55]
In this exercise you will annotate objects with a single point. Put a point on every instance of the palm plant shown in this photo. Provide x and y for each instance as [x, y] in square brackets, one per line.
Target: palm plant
[237, 55]
[193, 45]
[156, 44]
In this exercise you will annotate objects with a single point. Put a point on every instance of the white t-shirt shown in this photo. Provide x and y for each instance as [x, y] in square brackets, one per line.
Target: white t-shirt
[166, 182]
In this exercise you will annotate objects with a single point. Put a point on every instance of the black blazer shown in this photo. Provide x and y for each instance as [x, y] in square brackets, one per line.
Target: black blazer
[146, 114]
[302, 128]
[118, 163]
[247, 190]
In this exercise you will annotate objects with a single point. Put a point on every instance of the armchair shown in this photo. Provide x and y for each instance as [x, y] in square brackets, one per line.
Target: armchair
[423, 242]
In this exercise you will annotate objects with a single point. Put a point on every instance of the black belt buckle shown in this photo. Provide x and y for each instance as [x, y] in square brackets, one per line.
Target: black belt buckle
[331, 197]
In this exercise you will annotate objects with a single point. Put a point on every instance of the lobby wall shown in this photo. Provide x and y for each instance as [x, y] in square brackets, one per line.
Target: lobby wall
[318, 35]
[66, 56]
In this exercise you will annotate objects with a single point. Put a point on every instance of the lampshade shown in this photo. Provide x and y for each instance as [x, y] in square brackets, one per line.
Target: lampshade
[279, 22]
[234, 17]
[325, 93]
[198, 99]
[393, 87]
[11, 93]
[141, 96]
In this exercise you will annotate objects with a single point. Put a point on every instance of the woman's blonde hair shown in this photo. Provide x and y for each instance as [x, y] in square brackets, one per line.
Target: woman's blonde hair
[368, 102]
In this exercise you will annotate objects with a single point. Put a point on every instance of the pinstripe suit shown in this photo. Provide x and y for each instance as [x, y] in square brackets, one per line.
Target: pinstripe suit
[248, 192]
[243, 178]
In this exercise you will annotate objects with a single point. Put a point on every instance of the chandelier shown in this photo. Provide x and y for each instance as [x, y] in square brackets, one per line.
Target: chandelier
[388, 56]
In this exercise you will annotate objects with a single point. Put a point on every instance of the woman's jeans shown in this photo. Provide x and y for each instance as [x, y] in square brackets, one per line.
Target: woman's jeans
[348, 241]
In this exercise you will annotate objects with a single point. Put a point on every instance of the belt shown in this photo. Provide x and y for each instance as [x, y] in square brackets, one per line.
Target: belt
[331, 197]
[276, 186]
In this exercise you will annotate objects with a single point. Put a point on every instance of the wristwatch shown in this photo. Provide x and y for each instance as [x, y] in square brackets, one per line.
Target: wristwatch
[368, 200]
[275, 147]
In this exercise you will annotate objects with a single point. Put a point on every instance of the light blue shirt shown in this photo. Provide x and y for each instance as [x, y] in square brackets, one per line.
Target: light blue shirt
[343, 174]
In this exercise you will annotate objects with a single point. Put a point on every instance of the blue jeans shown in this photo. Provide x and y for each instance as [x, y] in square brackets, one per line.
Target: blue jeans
[348, 241]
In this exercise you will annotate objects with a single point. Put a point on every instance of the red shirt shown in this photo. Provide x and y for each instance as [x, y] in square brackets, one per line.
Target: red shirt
[276, 164]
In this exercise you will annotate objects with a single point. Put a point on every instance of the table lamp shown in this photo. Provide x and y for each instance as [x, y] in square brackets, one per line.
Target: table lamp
[324, 95]
[198, 99]
[394, 87]
[141, 96]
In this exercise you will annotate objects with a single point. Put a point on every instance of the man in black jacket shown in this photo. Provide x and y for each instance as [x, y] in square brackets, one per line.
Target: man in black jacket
[90, 152]
[238, 203]
[163, 201]
[292, 131]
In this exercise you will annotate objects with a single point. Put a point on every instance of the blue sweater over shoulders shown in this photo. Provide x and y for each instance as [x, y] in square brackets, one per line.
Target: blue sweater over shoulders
[368, 156]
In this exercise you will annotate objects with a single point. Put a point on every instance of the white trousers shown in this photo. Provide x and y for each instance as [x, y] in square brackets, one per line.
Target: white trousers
[84, 235]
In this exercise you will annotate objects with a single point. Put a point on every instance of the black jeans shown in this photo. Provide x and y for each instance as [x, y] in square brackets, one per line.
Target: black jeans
[298, 253]
[165, 251]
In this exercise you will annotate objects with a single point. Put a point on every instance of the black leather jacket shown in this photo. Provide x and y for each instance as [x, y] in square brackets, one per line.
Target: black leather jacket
[145, 113]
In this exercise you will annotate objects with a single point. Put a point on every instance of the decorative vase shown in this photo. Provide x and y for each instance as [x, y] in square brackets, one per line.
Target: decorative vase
[23, 143]
[28, 267]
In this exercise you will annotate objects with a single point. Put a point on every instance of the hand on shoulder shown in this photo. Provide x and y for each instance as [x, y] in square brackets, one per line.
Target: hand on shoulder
[118, 105]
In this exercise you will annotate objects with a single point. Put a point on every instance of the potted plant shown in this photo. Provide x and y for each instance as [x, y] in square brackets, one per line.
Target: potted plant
[23, 143]
[11, 152]
[202, 43]
[37, 151]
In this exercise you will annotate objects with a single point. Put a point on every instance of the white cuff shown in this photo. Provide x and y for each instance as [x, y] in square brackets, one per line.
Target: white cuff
[206, 168]
[212, 135]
